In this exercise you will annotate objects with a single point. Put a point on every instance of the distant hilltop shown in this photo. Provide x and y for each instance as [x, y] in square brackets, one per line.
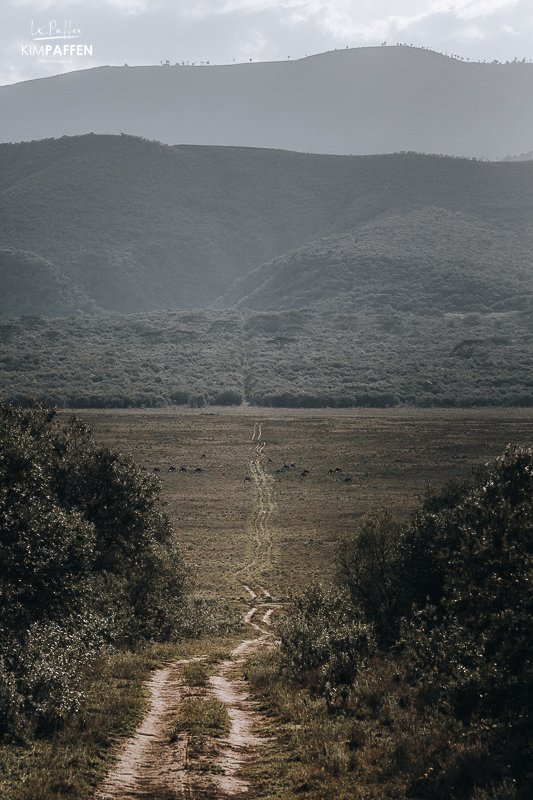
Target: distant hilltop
[360, 101]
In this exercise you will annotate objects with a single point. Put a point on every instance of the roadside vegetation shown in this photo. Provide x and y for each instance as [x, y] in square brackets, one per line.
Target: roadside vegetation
[94, 593]
[412, 678]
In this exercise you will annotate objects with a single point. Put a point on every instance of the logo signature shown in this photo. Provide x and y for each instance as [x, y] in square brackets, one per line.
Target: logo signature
[55, 53]
[52, 31]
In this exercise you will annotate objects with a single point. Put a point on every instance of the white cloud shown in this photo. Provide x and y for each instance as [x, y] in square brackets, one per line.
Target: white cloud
[148, 31]
[124, 6]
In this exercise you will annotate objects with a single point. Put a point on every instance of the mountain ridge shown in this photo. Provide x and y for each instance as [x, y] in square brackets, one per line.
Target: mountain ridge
[137, 226]
[359, 101]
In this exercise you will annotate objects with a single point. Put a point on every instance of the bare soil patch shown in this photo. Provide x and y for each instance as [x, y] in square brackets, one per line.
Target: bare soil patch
[156, 766]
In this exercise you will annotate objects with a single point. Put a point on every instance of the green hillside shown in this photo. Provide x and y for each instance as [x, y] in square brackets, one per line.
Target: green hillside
[266, 277]
[426, 261]
[139, 226]
[33, 285]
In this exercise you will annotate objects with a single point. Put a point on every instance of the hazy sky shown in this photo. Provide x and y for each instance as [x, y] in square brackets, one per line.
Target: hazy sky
[222, 31]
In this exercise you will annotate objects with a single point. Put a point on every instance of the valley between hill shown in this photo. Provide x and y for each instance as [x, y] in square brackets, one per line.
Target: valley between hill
[262, 276]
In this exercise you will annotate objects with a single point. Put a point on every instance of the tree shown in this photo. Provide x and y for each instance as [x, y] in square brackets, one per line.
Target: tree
[85, 557]
[367, 567]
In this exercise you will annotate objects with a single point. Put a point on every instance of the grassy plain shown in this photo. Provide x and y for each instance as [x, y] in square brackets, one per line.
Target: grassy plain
[389, 456]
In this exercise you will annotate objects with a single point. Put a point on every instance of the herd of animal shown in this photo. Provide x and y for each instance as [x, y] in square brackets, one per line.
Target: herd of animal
[337, 471]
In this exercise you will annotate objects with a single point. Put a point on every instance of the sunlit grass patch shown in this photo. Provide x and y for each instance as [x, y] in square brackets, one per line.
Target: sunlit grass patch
[201, 717]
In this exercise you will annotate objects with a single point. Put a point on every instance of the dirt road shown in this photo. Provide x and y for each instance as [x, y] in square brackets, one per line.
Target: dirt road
[153, 766]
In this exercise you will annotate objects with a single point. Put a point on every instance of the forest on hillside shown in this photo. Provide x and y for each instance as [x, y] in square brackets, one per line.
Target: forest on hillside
[295, 358]
[123, 224]
[141, 275]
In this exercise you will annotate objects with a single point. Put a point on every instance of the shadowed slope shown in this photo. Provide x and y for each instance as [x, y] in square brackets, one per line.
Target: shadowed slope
[426, 261]
[139, 226]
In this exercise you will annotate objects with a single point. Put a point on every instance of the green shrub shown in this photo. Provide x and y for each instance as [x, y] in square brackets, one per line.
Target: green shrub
[228, 398]
[467, 562]
[86, 558]
[323, 642]
[366, 564]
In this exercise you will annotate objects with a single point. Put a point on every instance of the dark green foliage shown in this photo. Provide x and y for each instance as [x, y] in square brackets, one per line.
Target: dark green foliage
[46, 548]
[367, 566]
[455, 588]
[324, 643]
[387, 280]
[86, 557]
[474, 641]
[427, 262]
[228, 398]
[33, 285]
[449, 597]
[335, 360]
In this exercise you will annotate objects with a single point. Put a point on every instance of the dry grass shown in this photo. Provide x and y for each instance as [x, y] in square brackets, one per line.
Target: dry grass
[391, 742]
[201, 717]
[71, 762]
[389, 456]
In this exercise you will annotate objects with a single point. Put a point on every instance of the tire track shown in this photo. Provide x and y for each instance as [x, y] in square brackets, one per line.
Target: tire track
[150, 765]
[153, 767]
[262, 557]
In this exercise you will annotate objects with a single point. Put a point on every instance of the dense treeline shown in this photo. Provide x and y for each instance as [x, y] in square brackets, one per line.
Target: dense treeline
[422, 655]
[305, 358]
[87, 560]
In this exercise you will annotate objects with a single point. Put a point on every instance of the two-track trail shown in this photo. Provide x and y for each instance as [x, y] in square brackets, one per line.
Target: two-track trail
[154, 765]
[262, 550]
